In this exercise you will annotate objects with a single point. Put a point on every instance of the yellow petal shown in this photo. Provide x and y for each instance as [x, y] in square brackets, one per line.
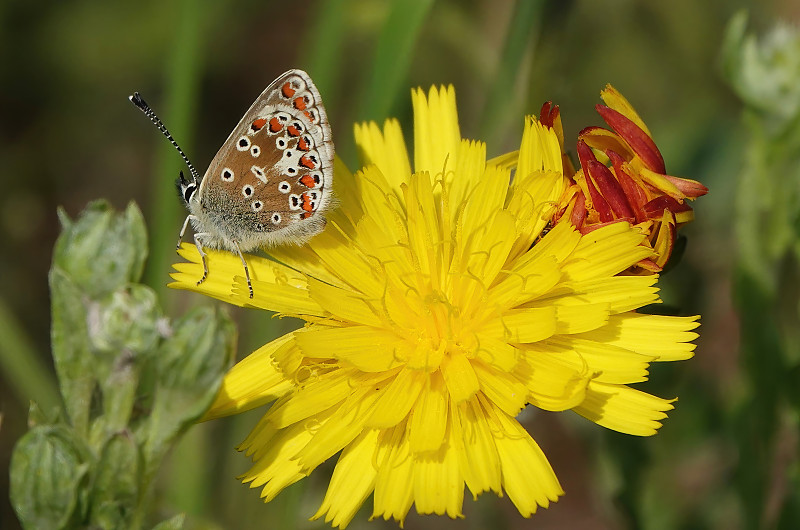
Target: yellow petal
[496, 353]
[560, 243]
[438, 484]
[429, 421]
[527, 476]
[485, 255]
[620, 293]
[555, 380]
[605, 252]
[612, 97]
[352, 481]
[276, 287]
[277, 468]
[363, 347]
[460, 378]
[381, 202]
[436, 132]
[539, 150]
[485, 200]
[253, 382]
[665, 338]
[387, 151]
[522, 325]
[502, 389]
[423, 229]
[343, 304]
[606, 363]
[474, 440]
[318, 395]
[342, 426]
[526, 283]
[538, 183]
[397, 399]
[578, 319]
[339, 255]
[623, 409]
[393, 484]
[469, 167]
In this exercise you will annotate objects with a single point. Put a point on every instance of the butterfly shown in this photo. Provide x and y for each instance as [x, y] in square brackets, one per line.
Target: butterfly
[271, 181]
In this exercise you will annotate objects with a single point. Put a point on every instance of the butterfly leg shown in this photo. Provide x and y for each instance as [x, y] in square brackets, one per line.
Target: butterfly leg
[198, 242]
[246, 271]
[183, 229]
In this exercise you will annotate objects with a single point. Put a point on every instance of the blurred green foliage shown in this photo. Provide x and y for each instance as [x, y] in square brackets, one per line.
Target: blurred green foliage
[720, 99]
[131, 381]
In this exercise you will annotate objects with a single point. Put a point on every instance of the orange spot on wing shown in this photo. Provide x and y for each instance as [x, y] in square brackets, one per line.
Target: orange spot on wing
[303, 145]
[258, 124]
[307, 181]
[293, 131]
[307, 204]
[306, 215]
[299, 103]
[287, 90]
[275, 125]
[310, 116]
[307, 161]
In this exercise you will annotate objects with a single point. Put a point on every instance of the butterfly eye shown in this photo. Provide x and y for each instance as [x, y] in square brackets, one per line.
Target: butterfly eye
[188, 192]
[243, 144]
[227, 175]
[247, 190]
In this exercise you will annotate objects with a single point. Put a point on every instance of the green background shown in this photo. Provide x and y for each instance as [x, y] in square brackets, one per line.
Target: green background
[726, 458]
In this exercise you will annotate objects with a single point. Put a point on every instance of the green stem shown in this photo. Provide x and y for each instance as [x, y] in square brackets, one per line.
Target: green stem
[26, 374]
[183, 72]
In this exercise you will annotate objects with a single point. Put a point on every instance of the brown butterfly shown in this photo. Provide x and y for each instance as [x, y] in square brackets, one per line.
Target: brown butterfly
[271, 181]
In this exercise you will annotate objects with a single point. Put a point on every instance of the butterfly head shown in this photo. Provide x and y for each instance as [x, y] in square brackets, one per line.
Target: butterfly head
[187, 189]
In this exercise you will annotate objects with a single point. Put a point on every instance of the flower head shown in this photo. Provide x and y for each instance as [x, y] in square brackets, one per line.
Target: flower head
[436, 309]
[623, 177]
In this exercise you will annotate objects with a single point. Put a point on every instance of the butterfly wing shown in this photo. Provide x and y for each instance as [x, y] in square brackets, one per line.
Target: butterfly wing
[270, 183]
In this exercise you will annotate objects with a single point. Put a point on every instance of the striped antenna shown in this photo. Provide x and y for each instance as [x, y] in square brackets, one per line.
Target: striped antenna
[137, 100]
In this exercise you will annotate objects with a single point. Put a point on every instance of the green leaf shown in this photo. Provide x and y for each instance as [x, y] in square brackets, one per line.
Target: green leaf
[523, 30]
[115, 491]
[102, 251]
[125, 320]
[188, 371]
[71, 350]
[124, 331]
[173, 523]
[764, 72]
[48, 470]
[393, 57]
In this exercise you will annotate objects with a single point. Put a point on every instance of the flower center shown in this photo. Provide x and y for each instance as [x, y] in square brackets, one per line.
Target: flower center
[436, 333]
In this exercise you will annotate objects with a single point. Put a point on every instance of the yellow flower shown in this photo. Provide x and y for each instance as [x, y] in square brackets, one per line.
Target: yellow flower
[436, 310]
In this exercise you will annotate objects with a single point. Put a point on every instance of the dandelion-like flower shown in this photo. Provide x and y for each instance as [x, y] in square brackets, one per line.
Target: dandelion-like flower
[436, 309]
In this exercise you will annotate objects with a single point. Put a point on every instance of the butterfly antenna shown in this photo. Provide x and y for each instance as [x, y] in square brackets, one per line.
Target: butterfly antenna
[137, 100]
